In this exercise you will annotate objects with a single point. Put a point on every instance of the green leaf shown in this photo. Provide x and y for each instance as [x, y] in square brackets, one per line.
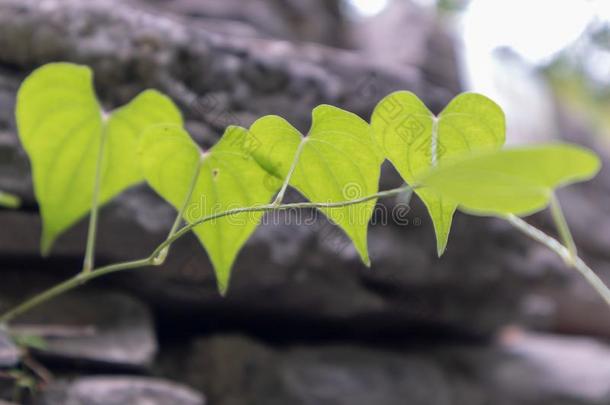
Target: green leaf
[9, 200]
[228, 178]
[512, 181]
[415, 140]
[61, 126]
[337, 161]
[125, 127]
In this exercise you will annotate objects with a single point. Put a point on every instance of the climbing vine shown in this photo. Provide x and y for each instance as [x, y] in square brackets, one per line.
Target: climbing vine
[82, 157]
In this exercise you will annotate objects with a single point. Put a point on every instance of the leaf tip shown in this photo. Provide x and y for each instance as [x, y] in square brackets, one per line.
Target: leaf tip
[441, 247]
[223, 276]
[46, 244]
[364, 256]
[223, 288]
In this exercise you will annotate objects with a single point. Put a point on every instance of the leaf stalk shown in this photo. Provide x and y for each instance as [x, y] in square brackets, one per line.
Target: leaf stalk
[89, 261]
[564, 253]
[280, 195]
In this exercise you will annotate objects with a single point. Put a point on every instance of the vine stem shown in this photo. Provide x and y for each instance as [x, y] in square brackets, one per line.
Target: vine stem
[152, 260]
[162, 255]
[70, 284]
[283, 207]
[89, 261]
[280, 195]
[563, 228]
[563, 252]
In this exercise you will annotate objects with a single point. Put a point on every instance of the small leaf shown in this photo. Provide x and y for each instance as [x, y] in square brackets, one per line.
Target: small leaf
[512, 181]
[61, 125]
[228, 178]
[9, 201]
[337, 161]
[414, 140]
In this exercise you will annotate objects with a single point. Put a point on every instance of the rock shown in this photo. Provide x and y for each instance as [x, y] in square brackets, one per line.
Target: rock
[9, 354]
[296, 274]
[118, 390]
[527, 370]
[88, 326]
[568, 370]
[296, 20]
[219, 79]
[430, 46]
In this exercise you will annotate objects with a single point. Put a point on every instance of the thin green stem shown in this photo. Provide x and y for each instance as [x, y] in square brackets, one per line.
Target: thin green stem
[563, 228]
[270, 207]
[92, 232]
[562, 252]
[83, 277]
[70, 284]
[280, 195]
[160, 258]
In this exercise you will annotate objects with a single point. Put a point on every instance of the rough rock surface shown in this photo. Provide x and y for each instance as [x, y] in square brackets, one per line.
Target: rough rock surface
[526, 369]
[308, 20]
[429, 47]
[118, 390]
[569, 370]
[218, 78]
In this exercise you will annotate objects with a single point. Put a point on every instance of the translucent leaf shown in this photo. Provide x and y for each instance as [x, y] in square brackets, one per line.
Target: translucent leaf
[125, 127]
[337, 161]
[228, 178]
[414, 140]
[61, 125]
[512, 181]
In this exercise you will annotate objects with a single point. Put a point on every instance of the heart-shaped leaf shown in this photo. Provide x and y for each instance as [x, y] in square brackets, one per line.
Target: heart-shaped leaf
[415, 140]
[227, 178]
[512, 181]
[61, 126]
[337, 161]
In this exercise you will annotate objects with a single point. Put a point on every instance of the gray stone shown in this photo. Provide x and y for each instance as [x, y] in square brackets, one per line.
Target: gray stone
[118, 390]
[294, 272]
[430, 47]
[300, 20]
[570, 370]
[218, 79]
[524, 370]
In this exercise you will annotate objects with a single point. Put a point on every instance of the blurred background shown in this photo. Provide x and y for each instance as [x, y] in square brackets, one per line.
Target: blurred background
[497, 320]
